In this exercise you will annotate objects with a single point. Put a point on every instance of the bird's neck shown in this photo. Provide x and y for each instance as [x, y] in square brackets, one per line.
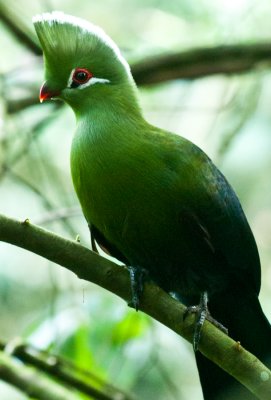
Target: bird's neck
[116, 107]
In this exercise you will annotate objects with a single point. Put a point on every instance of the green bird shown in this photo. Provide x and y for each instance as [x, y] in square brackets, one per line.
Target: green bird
[153, 199]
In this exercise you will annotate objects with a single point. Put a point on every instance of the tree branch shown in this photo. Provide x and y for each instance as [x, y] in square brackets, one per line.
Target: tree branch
[201, 62]
[214, 344]
[64, 371]
[32, 382]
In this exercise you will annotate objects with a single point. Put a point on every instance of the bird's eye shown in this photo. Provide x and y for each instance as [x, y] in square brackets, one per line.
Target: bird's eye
[81, 76]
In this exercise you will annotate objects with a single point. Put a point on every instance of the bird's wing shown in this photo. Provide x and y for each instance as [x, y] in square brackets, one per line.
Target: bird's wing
[223, 225]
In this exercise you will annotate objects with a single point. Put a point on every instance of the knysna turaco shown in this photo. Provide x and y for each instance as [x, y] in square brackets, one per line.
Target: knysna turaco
[153, 199]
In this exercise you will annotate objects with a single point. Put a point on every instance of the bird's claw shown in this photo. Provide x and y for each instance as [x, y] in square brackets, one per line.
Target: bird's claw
[203, 314]
[137, 279]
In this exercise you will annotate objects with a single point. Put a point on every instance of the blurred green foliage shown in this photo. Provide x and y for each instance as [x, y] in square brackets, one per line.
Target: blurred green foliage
[229, 117]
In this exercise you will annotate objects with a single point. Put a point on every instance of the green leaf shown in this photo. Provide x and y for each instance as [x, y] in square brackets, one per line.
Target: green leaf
[132, 326]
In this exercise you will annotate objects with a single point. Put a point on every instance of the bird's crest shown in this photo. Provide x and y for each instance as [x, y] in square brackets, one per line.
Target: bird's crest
[65, 35]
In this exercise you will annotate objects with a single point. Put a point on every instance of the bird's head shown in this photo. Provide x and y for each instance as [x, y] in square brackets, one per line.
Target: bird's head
[81, 61]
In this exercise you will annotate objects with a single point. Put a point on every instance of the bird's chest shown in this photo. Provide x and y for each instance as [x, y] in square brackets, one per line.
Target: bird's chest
[124, 193]
[109, 185]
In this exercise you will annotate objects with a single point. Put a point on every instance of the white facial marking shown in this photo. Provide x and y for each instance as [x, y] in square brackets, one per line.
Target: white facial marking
[91, 81]
[70, 78]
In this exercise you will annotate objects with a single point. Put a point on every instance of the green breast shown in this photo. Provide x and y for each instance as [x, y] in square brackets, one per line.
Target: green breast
[127, 186]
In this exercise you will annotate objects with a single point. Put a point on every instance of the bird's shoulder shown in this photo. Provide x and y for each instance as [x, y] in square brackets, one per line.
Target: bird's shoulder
[174, 151]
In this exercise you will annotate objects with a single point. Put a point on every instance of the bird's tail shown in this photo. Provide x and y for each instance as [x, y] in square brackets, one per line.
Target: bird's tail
[243, 316]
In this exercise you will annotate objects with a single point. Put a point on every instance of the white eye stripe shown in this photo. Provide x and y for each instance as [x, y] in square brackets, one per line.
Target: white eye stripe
[91, 81]
[70, 79]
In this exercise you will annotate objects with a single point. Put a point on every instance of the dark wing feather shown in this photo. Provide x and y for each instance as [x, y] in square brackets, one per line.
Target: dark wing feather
[224, 220]
[106, 246]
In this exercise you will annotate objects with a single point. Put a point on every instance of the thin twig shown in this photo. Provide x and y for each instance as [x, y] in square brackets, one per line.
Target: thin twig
[59, 214]
[44, 199]
[17, 28]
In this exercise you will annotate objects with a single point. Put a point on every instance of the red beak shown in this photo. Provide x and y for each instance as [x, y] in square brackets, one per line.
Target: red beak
[46, 93]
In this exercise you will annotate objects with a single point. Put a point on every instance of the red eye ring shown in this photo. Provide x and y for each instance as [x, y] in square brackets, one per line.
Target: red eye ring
[81, 76]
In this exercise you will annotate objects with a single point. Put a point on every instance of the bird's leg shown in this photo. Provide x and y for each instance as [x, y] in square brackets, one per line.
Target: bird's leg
[202, 314]
[137, 278]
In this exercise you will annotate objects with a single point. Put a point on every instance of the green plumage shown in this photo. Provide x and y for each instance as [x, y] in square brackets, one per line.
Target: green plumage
[152, 198]
[142, 200]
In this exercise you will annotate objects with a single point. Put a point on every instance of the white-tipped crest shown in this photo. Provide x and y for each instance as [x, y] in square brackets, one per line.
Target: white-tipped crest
[62, 18]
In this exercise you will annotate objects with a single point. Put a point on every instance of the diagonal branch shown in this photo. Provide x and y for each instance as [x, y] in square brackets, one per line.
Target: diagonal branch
[31, 382]
[18, 29]
[215, 345]
[64, 371]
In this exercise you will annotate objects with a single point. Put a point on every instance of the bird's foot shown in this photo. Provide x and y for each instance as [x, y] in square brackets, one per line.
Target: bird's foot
[203, 314]
[138, 277]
